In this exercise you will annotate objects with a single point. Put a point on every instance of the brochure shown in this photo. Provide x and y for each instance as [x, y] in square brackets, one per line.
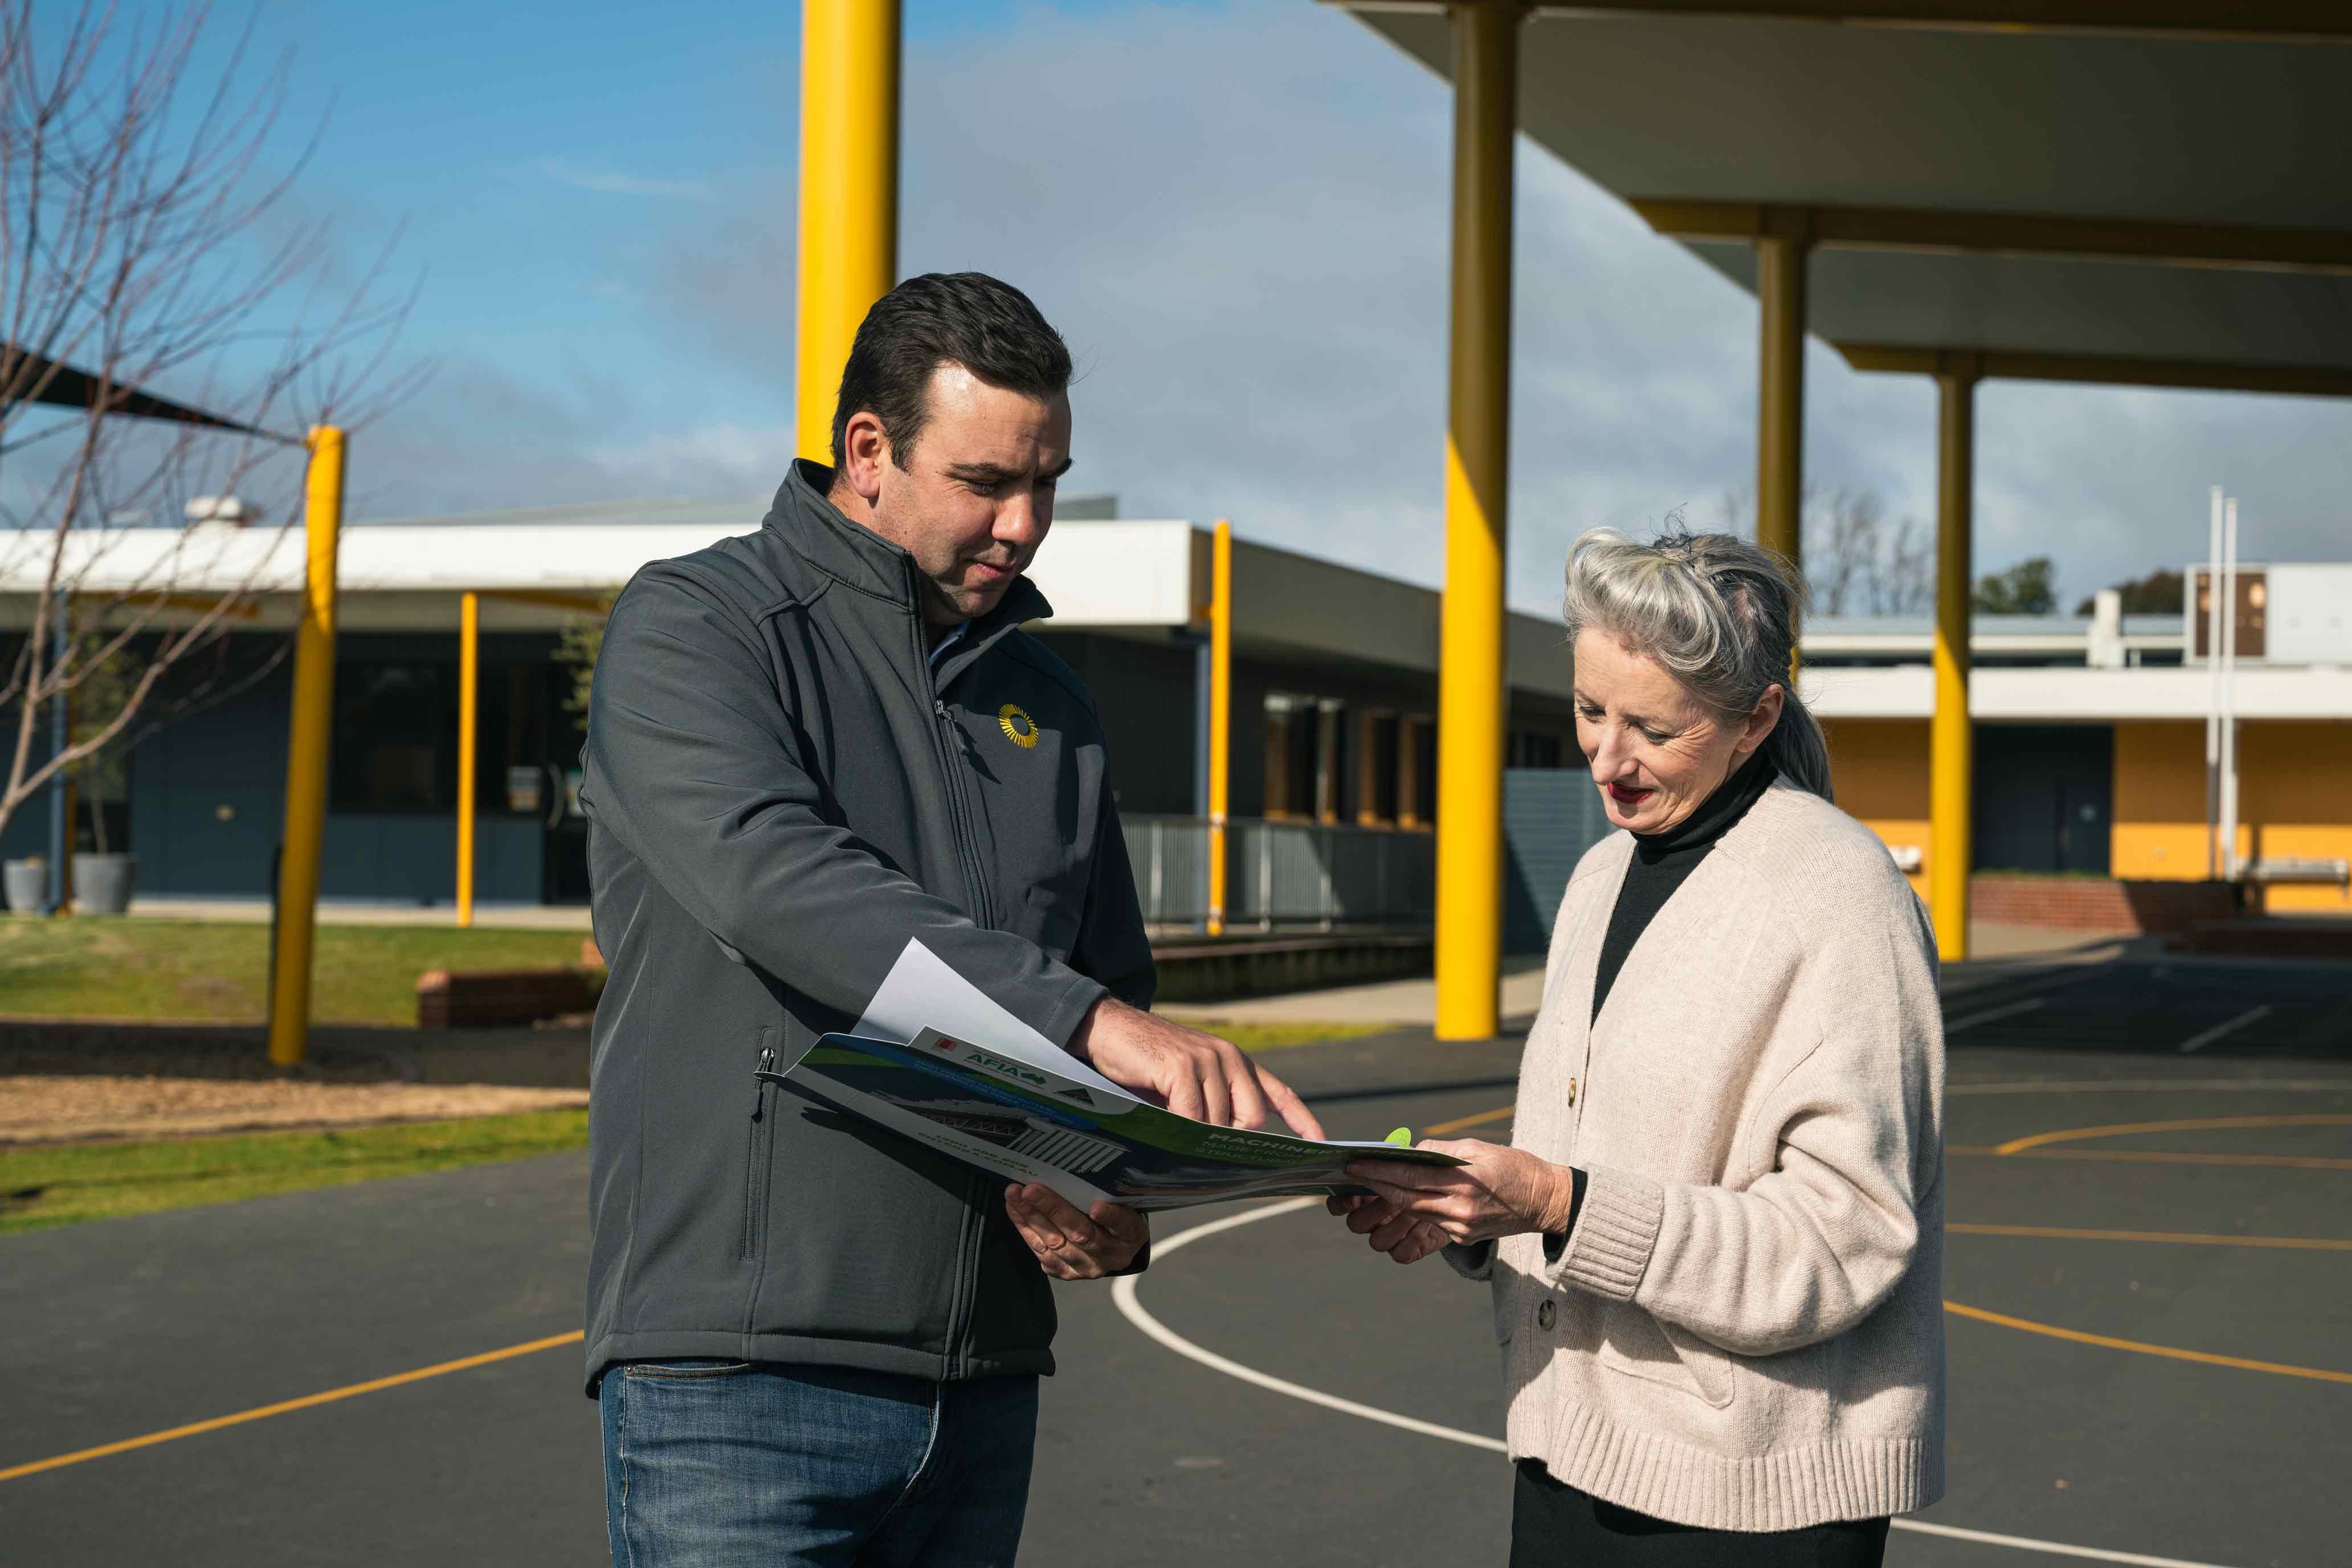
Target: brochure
[999, 1096]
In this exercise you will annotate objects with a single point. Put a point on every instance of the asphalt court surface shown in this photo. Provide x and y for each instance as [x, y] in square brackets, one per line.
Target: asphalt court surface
[2151, 1351]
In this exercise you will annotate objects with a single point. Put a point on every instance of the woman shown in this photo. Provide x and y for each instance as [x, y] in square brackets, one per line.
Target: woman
[1715, 1243]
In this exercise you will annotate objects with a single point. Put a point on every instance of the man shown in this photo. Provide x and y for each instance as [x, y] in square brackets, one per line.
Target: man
[814, 1342]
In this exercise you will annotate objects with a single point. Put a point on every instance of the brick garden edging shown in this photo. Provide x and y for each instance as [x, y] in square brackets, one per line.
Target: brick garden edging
[2100, 903]
[496, 998]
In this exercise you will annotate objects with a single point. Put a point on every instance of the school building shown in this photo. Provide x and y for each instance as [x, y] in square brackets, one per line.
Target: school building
[2090, 752]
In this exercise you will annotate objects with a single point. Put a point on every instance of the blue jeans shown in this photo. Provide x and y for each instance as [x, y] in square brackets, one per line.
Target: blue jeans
[711, 1463]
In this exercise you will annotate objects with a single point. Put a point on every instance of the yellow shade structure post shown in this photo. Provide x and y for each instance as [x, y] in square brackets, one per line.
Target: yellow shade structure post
[469, 707]
[849, 195]
[1951, 744]
[306, 753]
[1780, 395]
[1470, 692]
[1220, 715]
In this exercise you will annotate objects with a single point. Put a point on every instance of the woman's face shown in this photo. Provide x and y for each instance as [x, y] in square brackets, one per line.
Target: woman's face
[1656, 752]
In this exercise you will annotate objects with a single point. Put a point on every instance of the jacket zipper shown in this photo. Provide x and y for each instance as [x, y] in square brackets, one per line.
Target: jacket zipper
[755, 1180]
[975, 879]
[959, 1308]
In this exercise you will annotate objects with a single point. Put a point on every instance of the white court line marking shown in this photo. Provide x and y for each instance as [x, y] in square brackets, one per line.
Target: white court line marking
[2097, 1085]
[1990, 1013]
[1123, 1293]
[2250, 1016]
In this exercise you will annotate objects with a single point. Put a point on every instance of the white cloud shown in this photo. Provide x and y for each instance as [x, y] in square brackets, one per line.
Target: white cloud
[612, 183]
[1238, 218]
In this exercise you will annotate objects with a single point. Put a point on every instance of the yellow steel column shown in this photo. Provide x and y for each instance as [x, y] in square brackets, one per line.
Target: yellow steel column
[1221, 716]
[1780, 396]
[849, 193]
[1470, 694]
[1951, 736]
[306, 753]
[470, 707]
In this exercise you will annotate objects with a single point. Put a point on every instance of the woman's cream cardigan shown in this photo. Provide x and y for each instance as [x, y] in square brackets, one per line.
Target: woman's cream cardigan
[1745, 1329]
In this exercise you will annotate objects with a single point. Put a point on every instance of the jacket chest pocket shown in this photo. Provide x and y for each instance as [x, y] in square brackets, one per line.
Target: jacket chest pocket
[1035, 798]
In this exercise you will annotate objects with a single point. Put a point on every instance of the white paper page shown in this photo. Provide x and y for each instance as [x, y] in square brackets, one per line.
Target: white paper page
[921, 991]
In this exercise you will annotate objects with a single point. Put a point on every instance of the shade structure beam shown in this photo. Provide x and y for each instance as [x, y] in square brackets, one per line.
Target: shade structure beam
[2249, 247]
[2153, 18]
[1471, 673]
[2107, 370]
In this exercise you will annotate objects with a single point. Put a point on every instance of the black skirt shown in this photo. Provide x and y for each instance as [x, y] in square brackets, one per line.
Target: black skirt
[1554, 1525]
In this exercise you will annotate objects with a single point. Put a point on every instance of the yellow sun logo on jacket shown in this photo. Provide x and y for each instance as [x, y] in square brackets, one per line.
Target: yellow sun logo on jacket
[1018, 727]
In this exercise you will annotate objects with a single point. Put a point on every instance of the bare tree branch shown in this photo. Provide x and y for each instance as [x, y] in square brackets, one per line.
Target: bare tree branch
[141, 253]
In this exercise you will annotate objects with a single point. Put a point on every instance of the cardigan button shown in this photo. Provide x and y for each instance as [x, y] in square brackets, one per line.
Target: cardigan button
[1545, 1314]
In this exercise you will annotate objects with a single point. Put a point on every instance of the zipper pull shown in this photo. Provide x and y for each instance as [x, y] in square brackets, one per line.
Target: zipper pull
[963, 740]
[760, 1075]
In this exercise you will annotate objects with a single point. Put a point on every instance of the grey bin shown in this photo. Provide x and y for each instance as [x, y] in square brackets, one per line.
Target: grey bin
[102, 883]
[27, 883]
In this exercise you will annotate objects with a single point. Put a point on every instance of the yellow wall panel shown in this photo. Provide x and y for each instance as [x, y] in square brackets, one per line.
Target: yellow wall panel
[1880, 769]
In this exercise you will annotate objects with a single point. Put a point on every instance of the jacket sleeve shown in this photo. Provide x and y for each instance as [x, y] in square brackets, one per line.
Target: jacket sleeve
[1113, 947]
[1813, 1246]
[692, 763]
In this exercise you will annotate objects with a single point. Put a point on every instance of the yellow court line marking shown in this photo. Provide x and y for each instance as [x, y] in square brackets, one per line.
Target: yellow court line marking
[283, 1407]
[2171, 1352]
[2064, 1232]
[2196, 1124]
[2152, 1157]
[1462, 1122]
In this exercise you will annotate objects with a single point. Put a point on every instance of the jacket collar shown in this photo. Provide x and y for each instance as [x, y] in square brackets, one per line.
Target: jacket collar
[854, 554]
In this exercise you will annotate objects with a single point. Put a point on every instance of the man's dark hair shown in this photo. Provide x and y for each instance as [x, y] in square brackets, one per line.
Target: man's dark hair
[969, 318]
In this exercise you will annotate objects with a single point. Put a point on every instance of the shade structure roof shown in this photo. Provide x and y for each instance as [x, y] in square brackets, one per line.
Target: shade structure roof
[2174, 193]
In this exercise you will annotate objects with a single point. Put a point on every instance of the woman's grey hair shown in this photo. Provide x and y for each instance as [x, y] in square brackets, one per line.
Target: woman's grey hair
[1718, 613]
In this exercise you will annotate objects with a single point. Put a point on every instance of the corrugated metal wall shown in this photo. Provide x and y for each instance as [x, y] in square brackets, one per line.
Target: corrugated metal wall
[1550, 818]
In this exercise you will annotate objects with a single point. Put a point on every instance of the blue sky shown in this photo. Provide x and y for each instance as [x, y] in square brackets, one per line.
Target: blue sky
[1236, 214]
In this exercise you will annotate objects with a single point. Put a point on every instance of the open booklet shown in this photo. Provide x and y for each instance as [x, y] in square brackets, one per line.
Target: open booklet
[997, 1095]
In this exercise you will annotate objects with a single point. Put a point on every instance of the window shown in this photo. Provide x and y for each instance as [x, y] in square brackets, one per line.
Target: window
[396, 740]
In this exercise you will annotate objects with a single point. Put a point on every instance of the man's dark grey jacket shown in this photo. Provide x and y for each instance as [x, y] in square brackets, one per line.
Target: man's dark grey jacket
[780, 793]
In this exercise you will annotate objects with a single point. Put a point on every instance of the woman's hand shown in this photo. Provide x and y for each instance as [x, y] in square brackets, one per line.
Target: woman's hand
[1404, 1238]
[1500, 1191]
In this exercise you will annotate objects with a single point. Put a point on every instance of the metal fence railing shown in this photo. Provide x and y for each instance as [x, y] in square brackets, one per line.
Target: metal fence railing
[1317, 875]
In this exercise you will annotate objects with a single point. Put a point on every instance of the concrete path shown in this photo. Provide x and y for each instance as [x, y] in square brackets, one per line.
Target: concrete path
[332, 911]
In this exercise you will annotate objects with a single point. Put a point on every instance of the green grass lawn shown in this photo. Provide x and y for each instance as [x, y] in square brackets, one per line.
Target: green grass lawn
[1269, 1036]
[98, 968]
[43, 1186]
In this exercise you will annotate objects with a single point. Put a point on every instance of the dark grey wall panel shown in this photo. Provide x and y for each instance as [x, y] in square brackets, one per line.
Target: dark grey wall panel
[1550, 818]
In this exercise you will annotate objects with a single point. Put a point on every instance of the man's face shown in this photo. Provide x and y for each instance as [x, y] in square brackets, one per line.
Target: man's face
[975, 502]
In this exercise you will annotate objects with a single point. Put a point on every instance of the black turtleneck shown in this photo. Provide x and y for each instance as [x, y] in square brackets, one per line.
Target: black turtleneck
[1661, 861]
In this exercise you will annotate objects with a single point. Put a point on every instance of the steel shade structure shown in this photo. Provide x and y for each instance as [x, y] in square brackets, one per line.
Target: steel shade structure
[2131, 191]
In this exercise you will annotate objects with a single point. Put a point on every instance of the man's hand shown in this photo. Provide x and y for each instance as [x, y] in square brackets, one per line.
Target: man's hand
[1072, 1246]
[1191, 1073]
[1405, 1238]
[1501, 1191]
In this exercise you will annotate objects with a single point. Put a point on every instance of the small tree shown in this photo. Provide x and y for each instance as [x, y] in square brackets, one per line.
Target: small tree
[577, 646]
[165, 334]
[2028, 588]
[2160, 593]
